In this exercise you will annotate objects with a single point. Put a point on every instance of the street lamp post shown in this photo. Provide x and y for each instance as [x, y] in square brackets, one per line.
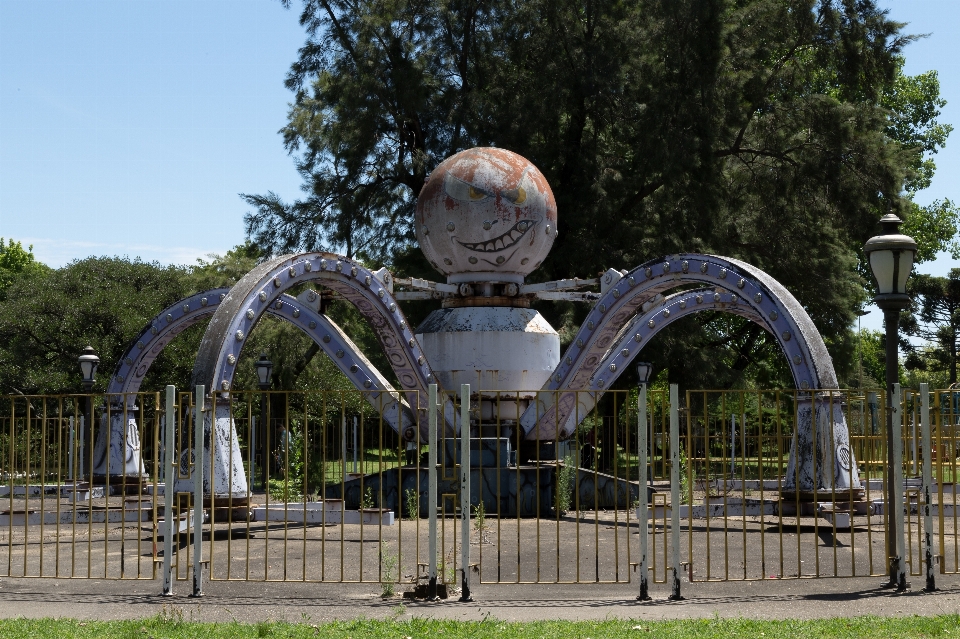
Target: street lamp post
[264, 368]
[891, 259]
[88, 361]
[643, 438]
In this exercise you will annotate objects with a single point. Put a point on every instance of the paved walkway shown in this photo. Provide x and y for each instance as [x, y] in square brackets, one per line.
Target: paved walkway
[251, 602]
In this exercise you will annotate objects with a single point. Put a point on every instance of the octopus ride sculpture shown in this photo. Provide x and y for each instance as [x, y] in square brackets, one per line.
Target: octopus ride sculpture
[486, 218]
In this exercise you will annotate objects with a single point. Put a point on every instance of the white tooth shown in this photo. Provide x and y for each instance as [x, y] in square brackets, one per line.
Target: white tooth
[515, 235]
[488, 247]
[499, 245]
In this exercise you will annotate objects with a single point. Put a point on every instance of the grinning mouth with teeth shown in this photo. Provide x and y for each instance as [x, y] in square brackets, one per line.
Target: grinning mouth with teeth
[502, 242]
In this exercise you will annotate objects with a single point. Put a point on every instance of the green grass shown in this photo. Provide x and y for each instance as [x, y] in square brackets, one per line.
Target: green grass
[174, 626]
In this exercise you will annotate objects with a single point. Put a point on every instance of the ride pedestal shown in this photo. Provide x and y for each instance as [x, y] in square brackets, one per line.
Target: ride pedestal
[821, 466]
[117, 456]
[224, 479]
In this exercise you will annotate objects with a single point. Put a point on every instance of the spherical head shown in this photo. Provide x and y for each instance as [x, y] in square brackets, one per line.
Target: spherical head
[486, 214]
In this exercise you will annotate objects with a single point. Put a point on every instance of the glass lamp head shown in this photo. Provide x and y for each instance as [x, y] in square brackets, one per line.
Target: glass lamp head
[264, 367]
[88, 366]
[891, 257]
[644, 369]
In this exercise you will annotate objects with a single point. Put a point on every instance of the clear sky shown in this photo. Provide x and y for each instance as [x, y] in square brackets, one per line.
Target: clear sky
[129, 127]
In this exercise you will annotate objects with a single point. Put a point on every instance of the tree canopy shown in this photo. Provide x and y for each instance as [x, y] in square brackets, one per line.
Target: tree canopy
[934, 316]
[49, 315]
[774, 131]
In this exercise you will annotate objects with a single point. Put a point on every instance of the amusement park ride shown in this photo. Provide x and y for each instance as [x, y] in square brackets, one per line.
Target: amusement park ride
[485, 219]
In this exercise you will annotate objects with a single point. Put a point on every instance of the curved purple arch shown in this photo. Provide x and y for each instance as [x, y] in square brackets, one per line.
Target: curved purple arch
[170, 322]
[253, 295]
[757, 294]
[173, 320]
[630, 342]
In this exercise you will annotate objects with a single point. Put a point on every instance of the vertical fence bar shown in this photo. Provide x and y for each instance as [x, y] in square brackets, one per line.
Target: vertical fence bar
[170, 476]
[675, 490]
[343, 442]
[896, 484]
[198, 491]
[432, 492]
[465, 492]
[926, 448]
[644, 511]
[81, 447]
[70, 452]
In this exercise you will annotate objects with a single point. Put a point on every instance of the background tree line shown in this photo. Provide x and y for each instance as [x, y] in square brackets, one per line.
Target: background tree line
[48, 315]
[773, 131]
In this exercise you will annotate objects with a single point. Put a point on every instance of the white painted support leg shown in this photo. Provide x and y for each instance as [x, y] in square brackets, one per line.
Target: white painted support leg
[117, 449]
[223, 473]
[820, 454]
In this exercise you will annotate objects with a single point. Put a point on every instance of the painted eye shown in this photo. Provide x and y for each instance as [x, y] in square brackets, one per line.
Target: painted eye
[517, 196]
[460, 190]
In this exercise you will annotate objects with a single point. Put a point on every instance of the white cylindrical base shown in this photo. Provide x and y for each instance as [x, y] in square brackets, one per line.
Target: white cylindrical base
[502, 352]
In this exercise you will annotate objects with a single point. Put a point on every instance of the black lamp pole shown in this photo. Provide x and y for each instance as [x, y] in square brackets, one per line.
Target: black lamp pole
[891, 260]
[88, 361]
[264, 367]
[643, 452]
[644, 369]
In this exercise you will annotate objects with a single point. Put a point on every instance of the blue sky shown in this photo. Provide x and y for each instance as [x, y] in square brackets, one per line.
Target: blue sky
[129, 127]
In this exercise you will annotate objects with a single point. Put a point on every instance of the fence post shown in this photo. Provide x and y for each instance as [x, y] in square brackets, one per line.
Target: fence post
[432, 492]
[926, 450]
[169, 478]
[72, 445]
[80, 447]
[643, 514]
[675, 490]
[896, 479]
[465, 492]
[198, 492]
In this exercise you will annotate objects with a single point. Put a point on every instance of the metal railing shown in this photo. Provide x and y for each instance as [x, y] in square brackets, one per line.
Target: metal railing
[329, 491]
[65, 511]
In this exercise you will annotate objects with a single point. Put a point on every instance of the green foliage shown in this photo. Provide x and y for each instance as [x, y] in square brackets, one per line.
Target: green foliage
[566, 480]
[773, 131]
[684, 476]
[389, 563]
[934, 227]
[411, 503]
[367, 500]
[48, 317]
[870, 365]
[14, 261]
[479, 518]
[174, 627]
[914, 104]
[933, 316]
[289, 486]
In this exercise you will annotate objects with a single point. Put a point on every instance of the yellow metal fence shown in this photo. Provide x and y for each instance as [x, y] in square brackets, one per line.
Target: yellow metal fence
[332, 493]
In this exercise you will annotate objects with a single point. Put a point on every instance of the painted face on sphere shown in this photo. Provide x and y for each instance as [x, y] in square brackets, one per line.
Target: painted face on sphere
[486, 214]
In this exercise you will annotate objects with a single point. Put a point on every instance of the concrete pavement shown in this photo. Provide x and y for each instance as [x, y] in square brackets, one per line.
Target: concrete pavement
[252, 602]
